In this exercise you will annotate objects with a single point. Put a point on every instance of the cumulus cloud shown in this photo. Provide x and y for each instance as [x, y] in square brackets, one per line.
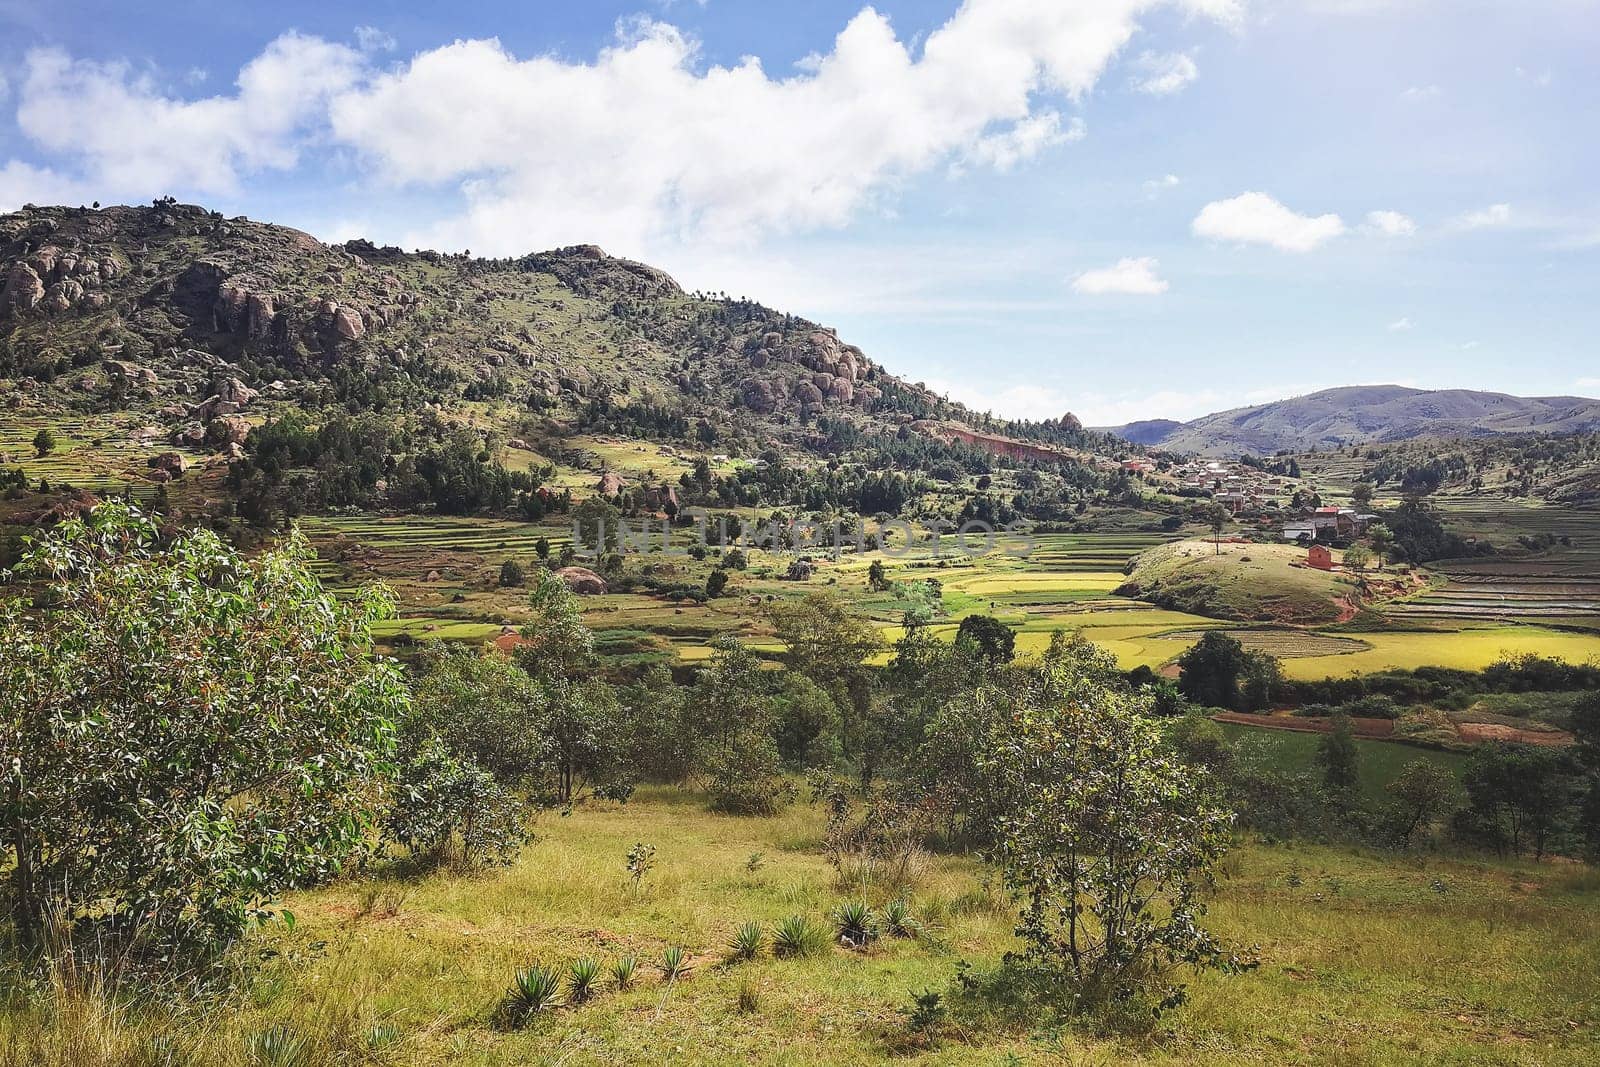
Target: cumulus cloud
[1420, 92]
[128, 137]
[1256, 218]
[1402, 324]
[1164, 74]
[1129, 276]
[641, 144]
[1488, 218]
[1390, 224]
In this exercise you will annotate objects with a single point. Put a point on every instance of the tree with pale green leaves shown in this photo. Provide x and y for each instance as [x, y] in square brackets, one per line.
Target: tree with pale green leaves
[188, 734]
[1105, 836]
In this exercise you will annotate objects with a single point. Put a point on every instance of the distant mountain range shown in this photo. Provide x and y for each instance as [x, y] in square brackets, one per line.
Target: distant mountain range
[1364, 414]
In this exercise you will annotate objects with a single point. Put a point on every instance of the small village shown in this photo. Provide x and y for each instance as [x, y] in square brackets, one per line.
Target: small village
[1250, 491]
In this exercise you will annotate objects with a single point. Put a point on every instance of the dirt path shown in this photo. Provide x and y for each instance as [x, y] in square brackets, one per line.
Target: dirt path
[1361, 727]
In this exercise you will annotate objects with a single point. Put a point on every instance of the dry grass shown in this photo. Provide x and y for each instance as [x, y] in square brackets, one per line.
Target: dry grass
[1366, 958]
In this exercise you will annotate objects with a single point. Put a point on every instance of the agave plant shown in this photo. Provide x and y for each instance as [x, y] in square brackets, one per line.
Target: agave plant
[897, 920]
[624, 972]
[855, 923]
[535, 989]
[747, 942]
[674, 963]
[382, 1035]
[797, 937]
[583, 980]
[276, 1046]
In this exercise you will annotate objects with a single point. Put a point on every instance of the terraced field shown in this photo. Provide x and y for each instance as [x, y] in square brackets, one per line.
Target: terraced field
[1559, 586]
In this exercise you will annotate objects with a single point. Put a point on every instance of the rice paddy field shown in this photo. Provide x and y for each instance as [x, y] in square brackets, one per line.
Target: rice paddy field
[1556, 586]
[446, 573]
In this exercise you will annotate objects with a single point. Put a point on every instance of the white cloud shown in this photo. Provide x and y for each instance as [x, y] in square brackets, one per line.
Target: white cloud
[1128, 276]
[643, 145]
[1488, 218]
[1390, 224]
[1003, 151]
[23, 183]
[1470, 345]
[129, 139]
[372, 39]
[1421, 92]
[1034, 401]
[1588, 383]
[1164, 74]
[1154, 186]
[1402, 324]
[1256, 218]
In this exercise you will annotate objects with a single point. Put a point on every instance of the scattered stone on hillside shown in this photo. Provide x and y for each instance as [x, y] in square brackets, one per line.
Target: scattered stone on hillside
[760, 397]
[582, 580]
[228, 429]
[610, 484]
[62, 296]
[801, 570]
[347, 324]
[24, 289]
[232, 391]
[131, 376]
[171, 463]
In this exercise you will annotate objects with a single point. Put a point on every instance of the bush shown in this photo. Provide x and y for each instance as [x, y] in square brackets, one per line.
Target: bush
[510, 573]
[534, 990]
[797, 937]
[188, 733]
[449, 811]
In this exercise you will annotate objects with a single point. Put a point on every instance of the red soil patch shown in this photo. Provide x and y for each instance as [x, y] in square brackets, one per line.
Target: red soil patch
[1493, 731]
[1361, 727]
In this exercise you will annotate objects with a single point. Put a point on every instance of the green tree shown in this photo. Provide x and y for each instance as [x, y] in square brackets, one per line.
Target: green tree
[987, 637]
[1107, 840]
[1357, 558]
[1338, 757]
[510, 573]
[541, 548]
[877, 577]
[555, 641]
[44, 442]
[1361, 495]
[188, 732]
[1208, 672]
[734, 717]
[1218, 518]
[1423, 793]
[716, 582]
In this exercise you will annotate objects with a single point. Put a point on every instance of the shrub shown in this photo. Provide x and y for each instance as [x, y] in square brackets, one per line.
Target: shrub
[449, 811]
[624, 972]
[510, 573]
[583, 979]
[747, 942]
[674, 963]
[797, 937]
[855, 923]
[533, 990]
[716, 582]
[641, 858]
[187, 733]
[897, 919]
[927, 1013]
[1098, 820]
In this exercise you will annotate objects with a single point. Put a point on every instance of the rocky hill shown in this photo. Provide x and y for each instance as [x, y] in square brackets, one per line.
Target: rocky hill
[1363, 415]
[192, 318]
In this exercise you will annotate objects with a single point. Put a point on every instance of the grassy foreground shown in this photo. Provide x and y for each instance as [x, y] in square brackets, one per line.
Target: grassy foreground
[1365, 958]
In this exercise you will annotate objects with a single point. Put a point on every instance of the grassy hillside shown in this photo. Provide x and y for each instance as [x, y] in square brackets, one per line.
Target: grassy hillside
[1247, 582]
[1364, 959]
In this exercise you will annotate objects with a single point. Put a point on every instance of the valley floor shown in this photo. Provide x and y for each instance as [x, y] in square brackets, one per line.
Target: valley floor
[1365, 958]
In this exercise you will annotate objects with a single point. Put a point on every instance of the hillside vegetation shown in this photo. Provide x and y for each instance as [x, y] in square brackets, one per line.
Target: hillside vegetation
[1243, 582]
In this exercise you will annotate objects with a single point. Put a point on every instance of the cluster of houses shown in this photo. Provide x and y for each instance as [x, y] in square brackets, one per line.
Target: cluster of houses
[1328, 524]
[1233, 485]
[1242, 488]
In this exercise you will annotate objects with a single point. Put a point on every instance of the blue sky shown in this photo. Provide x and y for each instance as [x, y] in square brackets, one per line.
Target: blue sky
[1123, 208]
